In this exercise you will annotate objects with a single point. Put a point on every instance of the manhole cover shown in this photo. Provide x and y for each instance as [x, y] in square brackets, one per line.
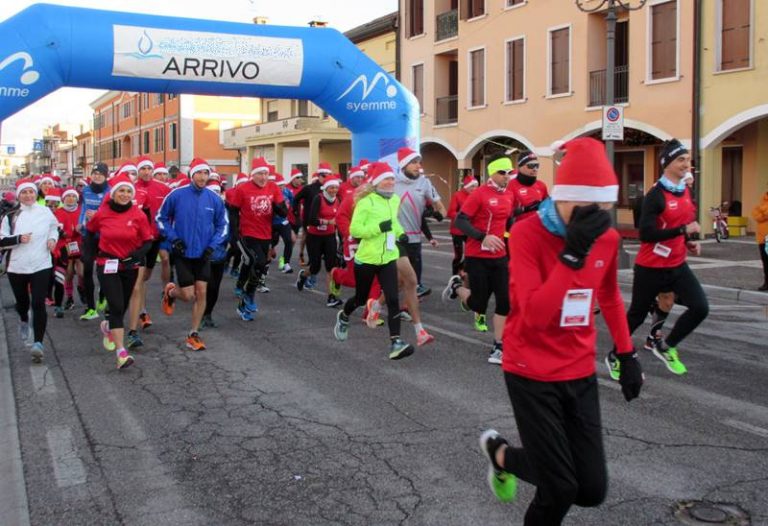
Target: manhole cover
[699, 513]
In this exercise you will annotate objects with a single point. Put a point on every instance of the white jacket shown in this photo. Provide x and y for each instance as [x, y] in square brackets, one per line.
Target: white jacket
[28, 258]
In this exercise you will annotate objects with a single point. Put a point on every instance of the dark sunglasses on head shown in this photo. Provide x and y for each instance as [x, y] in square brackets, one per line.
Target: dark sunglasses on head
[505, 172]
[533, 166]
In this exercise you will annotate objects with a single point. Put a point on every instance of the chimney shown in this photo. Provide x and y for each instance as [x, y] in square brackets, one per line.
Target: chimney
[261, 20]
[317, 23]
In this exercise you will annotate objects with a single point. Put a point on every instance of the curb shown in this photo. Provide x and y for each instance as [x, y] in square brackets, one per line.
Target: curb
[14, 508]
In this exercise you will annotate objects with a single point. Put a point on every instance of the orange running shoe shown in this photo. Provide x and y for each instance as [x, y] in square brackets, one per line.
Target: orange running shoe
[194, 342]
[145, 320]
[168, 301]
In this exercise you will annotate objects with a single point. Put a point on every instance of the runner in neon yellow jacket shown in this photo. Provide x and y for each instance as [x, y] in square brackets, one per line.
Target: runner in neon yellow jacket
[370, 212]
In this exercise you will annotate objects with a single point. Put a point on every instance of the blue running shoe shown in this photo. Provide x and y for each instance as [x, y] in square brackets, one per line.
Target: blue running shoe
[311, 283]
[248, 303]
[244, 314]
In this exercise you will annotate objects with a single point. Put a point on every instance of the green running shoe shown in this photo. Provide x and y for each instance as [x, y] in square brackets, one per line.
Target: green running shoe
[613, 365]
[502, 483]
[333, 287]
[670, 359]
[89, 314]
[101, 305]
[480, 323]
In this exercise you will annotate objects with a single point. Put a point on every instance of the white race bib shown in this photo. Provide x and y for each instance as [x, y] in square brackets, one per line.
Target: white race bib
[577, 307]
[110, 266]
[73, 248]
[662, 250]
[391, 241]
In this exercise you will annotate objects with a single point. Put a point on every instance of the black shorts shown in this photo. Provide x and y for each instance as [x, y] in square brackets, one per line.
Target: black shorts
[188, 271]
[488, 276]
[151, 258]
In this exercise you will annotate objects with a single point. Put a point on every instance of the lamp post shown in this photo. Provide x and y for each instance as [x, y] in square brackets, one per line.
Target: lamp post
[610, 6]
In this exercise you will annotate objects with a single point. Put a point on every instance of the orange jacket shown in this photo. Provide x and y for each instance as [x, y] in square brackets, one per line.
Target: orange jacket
[760, 214]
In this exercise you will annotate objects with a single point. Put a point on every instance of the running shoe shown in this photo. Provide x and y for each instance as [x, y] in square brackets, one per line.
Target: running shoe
[311, 283]
[69, 303]
[495, 355]
[145, 320]
[194, 342]
[302, 280]
[333, 287]
[449, 292]
[374, 314]
[36, 352]
[281, 263]
[398, 349]
[262, 288]
[341, 329]
[422, 291]
[502, 483]
[614, 366]
[24, 332]
[652, 342]
[424, 338]
[101, 305]
[124, 359]
[106, 340]
[208, 323]
[248, 303]
[287, 269]
[167, 305]
[133, 340]
[244, 314]
[405, 315]
[671, 360]
[481, 324]
[333, 301]
[89, 314]
[58, 312]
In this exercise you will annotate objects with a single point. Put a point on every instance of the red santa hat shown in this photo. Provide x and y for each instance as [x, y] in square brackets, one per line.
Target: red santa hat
[406, 155]
[127, 167]
[214, 185]
[56, 180]
[324, 168]
[280, 180]
[45, 178]
[356, 171]
[294, 174]
[54, 194]
[214, 177]
[241, 178]
[144, 161]
[120, 181]
[259, 164]
[379, 171]
[198, 165]
[69, 191]
[331, 180]
[160, 169]
[23, 184]
[364, 164]
[469, 181]
[585, 175]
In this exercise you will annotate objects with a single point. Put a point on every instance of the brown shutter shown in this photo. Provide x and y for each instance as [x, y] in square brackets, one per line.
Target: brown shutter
[477, 80]
[664, 40]
[416, 18]
[418, 85]
[734, 52]
[515, 71]
[560, 61]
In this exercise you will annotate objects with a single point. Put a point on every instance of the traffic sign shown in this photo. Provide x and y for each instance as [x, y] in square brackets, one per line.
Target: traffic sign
[10, 149]
[613, 123]
[37, 145]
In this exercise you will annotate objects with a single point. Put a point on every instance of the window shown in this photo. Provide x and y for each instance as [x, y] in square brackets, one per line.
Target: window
[145, 149]
[415, 18]
[126, 110]
[559, 61]
[417, 81]
[159, 100]
[173, 138]
[663, 64]
[115, 149]
[476, 78]
[172, 96]
[145, 100]
[135, 145]
[513, 3]
[159, 139]
[735, 34]
[272, 112]
[515, 89]
[473, 8]
[302, 108]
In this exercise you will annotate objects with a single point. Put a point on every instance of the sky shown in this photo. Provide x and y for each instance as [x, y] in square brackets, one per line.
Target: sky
[71, 105]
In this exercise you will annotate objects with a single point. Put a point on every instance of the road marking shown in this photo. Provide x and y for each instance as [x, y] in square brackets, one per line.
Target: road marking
[67, 466]
[749, 428]
[42, 380]
[461, 337]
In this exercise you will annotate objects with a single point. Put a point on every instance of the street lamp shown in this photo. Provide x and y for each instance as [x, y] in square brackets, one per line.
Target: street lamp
[592, 6]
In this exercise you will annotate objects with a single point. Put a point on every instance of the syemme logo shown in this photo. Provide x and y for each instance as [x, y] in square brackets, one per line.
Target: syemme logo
[391, 92]
[28, 77]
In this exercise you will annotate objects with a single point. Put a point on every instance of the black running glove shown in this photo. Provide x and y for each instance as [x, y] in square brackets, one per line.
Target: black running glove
[179, 247]
[630, 375]
[207, 253]
[532, 207]
[586, 225]
[385, 226]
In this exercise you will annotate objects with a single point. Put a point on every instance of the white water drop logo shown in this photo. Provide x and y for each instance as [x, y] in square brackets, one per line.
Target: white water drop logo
[29, 76]
[391, 92]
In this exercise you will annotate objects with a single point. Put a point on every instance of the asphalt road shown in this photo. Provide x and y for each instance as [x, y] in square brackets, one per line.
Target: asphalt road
[279, 424]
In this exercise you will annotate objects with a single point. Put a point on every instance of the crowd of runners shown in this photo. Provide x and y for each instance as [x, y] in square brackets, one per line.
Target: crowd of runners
[548, 257]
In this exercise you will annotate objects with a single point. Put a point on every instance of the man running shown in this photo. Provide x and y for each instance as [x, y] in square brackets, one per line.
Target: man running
[468, 185]
[528, 192]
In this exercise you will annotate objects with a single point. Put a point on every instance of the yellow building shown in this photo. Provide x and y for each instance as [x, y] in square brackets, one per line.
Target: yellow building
[502, 74]
[734, 102]
[298, 134]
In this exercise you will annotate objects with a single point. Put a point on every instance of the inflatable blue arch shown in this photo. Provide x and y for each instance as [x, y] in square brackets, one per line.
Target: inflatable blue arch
[46, 47]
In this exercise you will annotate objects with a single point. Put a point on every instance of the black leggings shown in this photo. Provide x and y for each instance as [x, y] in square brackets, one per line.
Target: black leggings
[688, 292]
[117, 288]
[90, 247]
[319, 248]
[414, 256]
[254, 262]
[562, 453]
[212, 291]
[764, 259]
[38, 283]
[488, 276]
[458, 253]
[283, 232]
[387, 275]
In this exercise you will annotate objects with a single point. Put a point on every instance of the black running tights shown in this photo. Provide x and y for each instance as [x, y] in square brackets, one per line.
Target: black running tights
[21, 284]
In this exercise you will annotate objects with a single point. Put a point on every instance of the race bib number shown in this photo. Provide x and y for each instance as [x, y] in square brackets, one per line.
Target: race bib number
[662, 250]
[322, 228]
[110, 266]
[391, 241]
[73, 248]
[577, 307]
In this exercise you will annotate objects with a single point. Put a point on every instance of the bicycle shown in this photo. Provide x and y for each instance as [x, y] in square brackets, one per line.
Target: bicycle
[719, 221]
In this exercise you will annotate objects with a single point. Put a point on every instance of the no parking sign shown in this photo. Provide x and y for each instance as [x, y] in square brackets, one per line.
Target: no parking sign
[613, 123]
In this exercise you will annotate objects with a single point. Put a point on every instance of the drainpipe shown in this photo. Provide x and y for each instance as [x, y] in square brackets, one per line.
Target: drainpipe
[396, 25]
[696, 109]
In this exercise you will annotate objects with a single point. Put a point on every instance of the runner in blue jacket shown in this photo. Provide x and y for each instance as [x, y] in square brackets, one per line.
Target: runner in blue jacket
[93, 196]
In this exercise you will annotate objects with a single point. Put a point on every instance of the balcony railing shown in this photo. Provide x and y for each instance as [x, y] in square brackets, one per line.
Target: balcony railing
[236, 137]
[620, 86]
[447, 25]
[447, 109]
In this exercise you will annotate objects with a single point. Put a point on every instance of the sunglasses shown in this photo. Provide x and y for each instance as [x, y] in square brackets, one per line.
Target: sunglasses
[505, 172]
[533, 166]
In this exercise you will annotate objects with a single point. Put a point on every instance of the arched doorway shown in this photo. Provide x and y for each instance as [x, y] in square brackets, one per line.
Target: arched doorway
[489, 148]
[441, 166]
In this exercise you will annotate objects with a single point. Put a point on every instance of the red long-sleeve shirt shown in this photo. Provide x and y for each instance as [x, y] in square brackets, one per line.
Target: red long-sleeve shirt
[120, 233]
[525, 195]
[68, 229]
[149, 196]
[536, 346]
[457, 200]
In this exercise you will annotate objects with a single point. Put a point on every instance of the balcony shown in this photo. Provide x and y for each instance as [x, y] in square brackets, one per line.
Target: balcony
[447, 25]
[446, 110]
[620, 86]
[236, 137]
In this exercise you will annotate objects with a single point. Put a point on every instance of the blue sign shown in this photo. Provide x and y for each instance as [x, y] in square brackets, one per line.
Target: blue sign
[37, 145]
[11, 149]
[160, 54]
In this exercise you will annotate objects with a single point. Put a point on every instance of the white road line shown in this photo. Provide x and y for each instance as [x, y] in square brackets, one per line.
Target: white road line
[461, 337]
[67, 466]
[749, 428]
[42, 380]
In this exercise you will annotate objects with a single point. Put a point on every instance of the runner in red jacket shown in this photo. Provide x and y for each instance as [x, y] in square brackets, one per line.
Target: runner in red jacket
[527, 191]
[468, 185]
[562, 261]
[67, 252]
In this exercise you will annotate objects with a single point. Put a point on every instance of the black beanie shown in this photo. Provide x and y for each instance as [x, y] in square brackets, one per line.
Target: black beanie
[526, 157]
[672, 150]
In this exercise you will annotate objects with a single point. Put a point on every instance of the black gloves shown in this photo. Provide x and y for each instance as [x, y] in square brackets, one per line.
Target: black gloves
[385, 226]
[586, 225]
[630, 375]
[438, 216]
[431, 212]
[403, 239]
[520, 210]
[178, 247]
[207, 253]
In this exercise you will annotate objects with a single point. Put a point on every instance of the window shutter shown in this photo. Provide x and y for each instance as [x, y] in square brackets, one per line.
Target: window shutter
[734, 51]
[477, 80]
[560, 61]
[664, 40]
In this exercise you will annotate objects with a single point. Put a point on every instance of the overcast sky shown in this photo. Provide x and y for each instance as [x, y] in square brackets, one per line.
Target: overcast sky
[71, 105]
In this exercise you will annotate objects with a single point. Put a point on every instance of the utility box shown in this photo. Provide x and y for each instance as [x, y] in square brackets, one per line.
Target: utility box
[737, 226]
